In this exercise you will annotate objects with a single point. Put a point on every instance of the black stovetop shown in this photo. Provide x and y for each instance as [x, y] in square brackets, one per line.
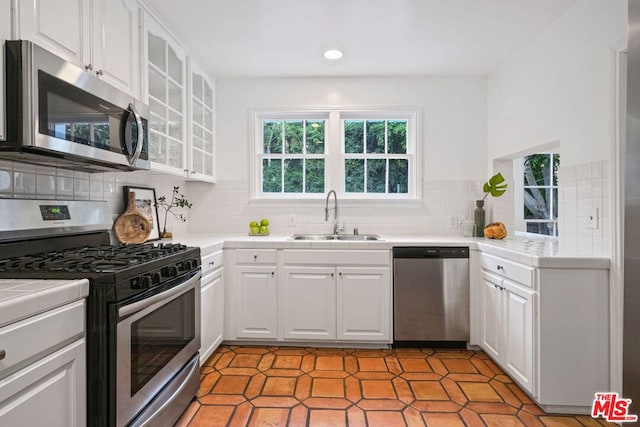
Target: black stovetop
[117, 271]
[90, 259]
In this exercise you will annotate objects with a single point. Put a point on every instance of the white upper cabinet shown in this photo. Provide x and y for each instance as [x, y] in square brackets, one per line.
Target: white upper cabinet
[116, 43]
[165, 92]
[100, 36]
[202, 119]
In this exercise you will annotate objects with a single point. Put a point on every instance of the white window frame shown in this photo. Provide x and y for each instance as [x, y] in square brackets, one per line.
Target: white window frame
[334, 151]
[521, 222]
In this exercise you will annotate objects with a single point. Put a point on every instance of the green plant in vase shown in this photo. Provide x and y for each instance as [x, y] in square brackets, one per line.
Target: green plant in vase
[496, 186]
[178, 200]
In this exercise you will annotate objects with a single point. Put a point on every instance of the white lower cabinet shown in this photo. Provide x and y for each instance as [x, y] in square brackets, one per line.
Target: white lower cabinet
[43, 369]
[364, 310]
[507, 327]
[256, 307]
[308, 303]
[49, 392]
[309, 295]
[212, 304]
[548, 328]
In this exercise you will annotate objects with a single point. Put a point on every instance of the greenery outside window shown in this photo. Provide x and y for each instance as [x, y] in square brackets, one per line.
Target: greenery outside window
[376, 159]
[540, 196]
[360, 154]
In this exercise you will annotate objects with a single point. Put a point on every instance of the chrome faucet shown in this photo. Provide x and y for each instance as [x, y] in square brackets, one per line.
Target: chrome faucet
[336, 226]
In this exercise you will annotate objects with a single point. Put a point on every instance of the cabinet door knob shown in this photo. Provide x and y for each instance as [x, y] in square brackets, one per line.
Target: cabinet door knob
[3, 354]
[331, 275]
[99, 73]
[88, 67]
[255, 257]
[499, 267]
[273, 273]
[340, 274]
[212, 262]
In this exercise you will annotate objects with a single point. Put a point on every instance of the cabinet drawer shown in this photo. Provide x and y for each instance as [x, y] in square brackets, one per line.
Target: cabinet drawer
[211, 262]
[256, 256]
[336, 257]
[511, 270]
[39, 335]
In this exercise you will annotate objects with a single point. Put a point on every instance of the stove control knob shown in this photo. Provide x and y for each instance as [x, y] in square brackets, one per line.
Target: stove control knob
[187, 265]
[156, 277]
[195, 262]
[145, 281]
[135, 283]
[170, 271]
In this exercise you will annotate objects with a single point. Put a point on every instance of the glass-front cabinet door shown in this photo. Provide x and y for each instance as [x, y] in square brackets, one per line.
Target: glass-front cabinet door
[165, 89]
[202, 120]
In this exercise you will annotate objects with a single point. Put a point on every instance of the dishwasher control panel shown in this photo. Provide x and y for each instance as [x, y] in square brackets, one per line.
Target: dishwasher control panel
[431, 252]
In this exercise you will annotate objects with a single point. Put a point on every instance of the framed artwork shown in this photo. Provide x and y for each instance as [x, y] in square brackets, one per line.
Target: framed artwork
[147, 206]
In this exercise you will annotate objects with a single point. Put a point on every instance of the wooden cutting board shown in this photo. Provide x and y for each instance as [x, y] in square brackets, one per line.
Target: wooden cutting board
[132, 226]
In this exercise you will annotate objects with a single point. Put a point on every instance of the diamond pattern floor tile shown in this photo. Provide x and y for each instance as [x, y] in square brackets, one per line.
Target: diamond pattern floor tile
[286, 386]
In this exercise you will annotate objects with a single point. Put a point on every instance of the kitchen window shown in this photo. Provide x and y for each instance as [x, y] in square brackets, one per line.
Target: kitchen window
[361, 154]
[540, 195]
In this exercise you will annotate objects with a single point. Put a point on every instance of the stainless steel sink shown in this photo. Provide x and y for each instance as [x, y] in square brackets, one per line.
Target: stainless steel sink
[350, 237]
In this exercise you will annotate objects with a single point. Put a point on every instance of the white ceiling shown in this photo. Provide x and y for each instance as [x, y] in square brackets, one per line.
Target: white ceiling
[286, 38]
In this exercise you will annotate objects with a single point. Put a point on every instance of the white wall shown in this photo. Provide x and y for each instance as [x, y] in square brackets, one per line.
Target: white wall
[453, 144]
[454, 116]
[559, 86]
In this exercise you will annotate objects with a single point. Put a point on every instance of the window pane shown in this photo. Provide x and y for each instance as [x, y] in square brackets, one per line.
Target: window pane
[546, 228]
[197, 86]
[175, 125]
[556, 165]
[175, 153]
[272, 131]
[315, 137]
[157, 147]
[175, 65]
[354, 175]
[398, 176]
[375, 136]
[271, 175]
[397, 136]
[293, 176]
[376, 175]
[314, 175]
[157, 50]
[555, 203]
[175, 96]
[536, 203]
[293, 137]
[536, 170]
[353, 136]
[101, 135]
[157, 85]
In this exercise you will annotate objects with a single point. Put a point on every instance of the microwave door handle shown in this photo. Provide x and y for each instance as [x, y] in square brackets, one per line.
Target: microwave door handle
[138, 151]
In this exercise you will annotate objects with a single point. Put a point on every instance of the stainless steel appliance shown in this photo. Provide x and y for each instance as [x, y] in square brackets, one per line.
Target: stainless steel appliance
[631, 344]
[60, 115]
[143, 309]
[431, 296]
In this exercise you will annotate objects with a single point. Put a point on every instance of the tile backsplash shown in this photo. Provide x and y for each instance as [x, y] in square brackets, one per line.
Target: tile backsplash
[582, 188]
[26, 181]
[226, 208]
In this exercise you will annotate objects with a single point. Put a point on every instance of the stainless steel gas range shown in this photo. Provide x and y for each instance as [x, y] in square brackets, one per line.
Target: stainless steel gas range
[143, 309]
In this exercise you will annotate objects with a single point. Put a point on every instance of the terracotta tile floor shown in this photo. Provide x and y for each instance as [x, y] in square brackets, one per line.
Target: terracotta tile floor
[278, 386]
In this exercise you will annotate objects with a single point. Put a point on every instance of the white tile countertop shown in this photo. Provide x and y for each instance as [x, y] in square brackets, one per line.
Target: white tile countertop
[22, 298]
[536, 252]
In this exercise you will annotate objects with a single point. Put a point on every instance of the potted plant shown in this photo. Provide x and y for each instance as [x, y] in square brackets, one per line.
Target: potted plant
[178, 200]
[496, 186]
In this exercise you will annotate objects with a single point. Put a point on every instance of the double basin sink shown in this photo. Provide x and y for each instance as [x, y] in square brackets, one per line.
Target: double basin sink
[349, 237]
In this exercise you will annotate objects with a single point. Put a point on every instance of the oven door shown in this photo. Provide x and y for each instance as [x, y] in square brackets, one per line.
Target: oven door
[156, 337]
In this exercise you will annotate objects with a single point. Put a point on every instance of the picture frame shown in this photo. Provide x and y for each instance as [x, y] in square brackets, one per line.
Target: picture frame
[147, 205]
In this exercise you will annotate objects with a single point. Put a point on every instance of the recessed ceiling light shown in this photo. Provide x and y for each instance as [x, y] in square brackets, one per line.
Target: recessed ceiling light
[333, 54]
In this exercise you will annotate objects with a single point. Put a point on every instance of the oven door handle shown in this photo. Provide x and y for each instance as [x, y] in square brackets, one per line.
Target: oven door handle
[139, 136]
[132, 308]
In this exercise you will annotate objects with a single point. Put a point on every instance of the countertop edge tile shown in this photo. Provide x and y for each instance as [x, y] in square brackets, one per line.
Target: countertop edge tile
[536, 252]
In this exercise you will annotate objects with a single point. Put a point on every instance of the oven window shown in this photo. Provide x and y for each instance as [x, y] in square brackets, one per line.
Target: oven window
[159, 336]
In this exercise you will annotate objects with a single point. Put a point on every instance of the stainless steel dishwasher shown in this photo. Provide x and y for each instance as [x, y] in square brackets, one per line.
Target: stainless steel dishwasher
[431, 296]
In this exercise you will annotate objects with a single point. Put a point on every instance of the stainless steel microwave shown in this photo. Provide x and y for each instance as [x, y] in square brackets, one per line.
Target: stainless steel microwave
[60, 115]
